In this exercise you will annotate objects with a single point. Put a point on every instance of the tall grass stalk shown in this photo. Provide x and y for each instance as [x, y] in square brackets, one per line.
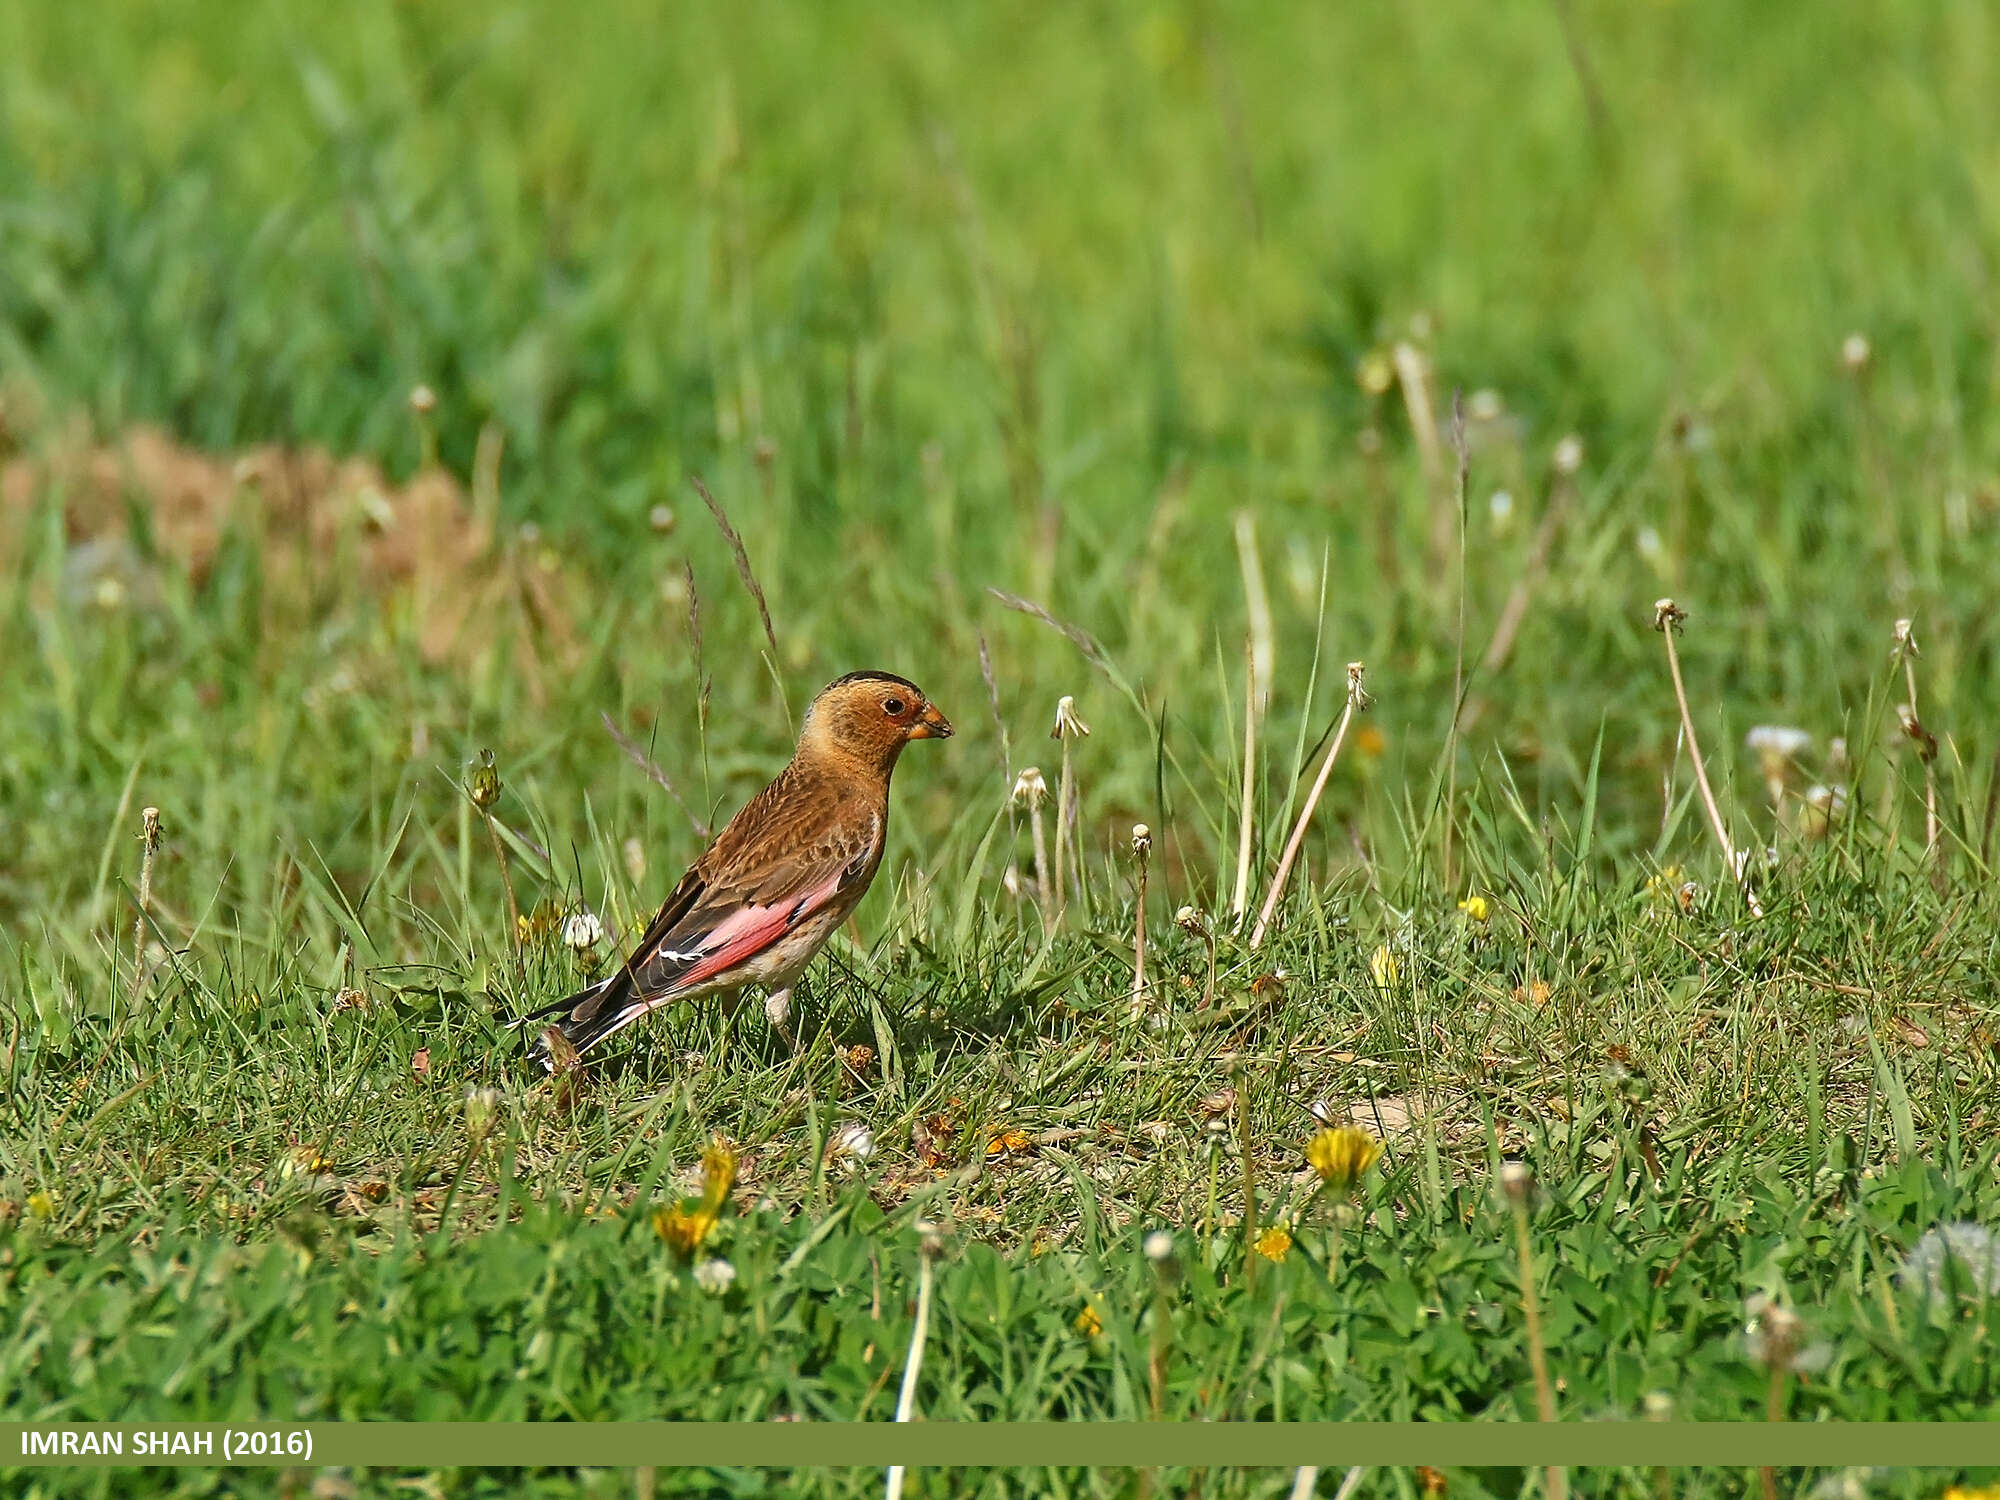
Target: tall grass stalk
[1357, 700]
[1667, 619]
[149, 837]
[913, 1361]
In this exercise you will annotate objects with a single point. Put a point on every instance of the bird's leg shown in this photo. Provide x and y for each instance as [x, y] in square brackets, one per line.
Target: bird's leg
[778, 1011]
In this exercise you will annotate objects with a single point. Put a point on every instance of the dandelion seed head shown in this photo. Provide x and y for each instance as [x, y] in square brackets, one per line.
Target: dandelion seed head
[582, 931]
[854, 1141]
[1959, 1259]
[1068, 724]
[1031, 787]
[1778, 741]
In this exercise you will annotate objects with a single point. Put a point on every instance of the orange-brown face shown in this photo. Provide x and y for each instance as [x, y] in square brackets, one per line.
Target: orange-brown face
[872, 715]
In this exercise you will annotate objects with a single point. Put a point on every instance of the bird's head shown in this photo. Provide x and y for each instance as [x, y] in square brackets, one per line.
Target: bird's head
[868, 717]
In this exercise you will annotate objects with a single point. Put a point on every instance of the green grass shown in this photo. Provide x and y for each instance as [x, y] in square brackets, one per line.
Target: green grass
[942, 303]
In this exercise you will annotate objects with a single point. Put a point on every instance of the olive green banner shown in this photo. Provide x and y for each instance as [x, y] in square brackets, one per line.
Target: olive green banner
[1008, 1444]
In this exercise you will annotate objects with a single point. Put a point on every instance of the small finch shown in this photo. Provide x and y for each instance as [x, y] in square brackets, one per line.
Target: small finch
[781, 878]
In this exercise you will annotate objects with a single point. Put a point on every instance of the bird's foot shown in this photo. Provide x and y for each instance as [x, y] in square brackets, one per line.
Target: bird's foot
[778, 1011]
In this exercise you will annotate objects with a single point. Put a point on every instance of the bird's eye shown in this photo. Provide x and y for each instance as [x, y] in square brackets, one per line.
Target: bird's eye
[892, 706]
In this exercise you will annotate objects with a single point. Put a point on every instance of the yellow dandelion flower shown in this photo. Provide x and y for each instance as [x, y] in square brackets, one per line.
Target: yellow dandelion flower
[1382, 965]
[1371, 742]
[1008, 1143]
[1275, 1243]
[1969, 1492]
[1536, 993]
[1476, 908]
[1342, 1155]
[1088, 1323]
[686, 1224]
[1666, 885]
[41, 1206]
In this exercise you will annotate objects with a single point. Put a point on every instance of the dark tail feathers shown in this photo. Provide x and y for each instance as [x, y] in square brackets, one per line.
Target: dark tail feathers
[587, 1017]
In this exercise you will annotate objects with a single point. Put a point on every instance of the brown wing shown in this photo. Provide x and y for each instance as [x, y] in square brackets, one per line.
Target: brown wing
[796, 844]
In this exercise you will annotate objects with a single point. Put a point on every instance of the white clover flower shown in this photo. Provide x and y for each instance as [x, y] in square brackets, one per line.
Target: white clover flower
[1159, 1246]
[715, 1276]
[583, 931]
[1568, 455]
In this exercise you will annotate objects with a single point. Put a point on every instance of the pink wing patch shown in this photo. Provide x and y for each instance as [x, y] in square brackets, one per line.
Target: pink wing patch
[750, 929]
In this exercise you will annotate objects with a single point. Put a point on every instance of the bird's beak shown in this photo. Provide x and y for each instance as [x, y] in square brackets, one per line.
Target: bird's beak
[931, 725]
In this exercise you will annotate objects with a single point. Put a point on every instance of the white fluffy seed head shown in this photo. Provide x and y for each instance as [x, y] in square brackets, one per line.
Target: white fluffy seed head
[582, 931]
[715, 1276]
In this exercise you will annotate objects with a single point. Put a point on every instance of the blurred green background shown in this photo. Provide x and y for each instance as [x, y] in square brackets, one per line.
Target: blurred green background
[1039, 298]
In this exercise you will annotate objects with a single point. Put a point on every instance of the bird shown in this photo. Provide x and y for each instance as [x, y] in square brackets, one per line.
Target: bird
[777, 882]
